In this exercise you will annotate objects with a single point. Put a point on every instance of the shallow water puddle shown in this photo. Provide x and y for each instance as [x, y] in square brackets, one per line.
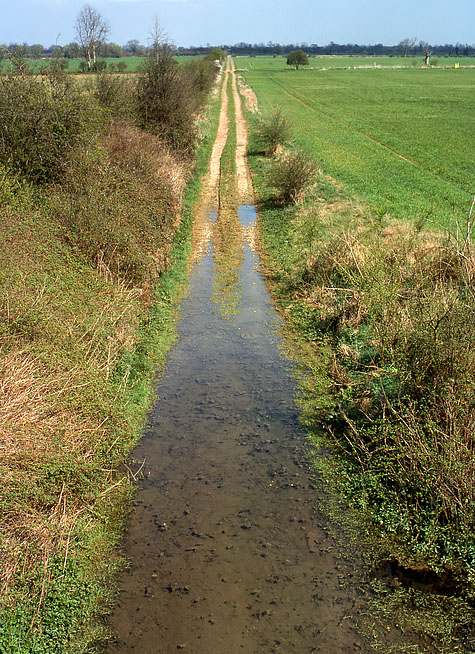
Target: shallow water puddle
[227, 550]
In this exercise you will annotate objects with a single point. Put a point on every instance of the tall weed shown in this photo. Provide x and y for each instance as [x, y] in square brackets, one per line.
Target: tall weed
[398, 304]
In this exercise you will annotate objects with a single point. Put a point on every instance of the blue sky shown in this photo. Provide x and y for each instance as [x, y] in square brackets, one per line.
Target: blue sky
[198, 22]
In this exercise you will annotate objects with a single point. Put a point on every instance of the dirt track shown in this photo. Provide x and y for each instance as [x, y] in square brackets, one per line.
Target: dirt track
[228, 551]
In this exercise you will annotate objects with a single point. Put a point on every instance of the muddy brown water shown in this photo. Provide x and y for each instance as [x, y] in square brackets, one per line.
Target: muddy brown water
[228, 549]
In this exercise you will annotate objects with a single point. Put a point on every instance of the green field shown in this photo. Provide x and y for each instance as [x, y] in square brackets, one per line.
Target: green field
[352, 61]
[73, 65]
[400, 139]
[132, 64]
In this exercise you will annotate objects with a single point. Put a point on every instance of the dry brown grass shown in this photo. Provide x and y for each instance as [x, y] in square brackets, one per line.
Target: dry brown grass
[133, 149]
[123, 216]
[76, 273]
[249, 96]
[43, 429]
[398, 304]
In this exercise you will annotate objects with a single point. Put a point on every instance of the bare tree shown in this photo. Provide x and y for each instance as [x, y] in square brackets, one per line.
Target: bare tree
[91, 31]
[426, 48]
[407, 44]
[17, 55]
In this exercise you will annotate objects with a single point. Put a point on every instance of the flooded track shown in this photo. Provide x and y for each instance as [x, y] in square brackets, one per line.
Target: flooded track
[226, 554]
[229, 552]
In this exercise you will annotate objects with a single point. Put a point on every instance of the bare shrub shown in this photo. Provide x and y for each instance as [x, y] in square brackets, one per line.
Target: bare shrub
[273, 131]
[63, 331]
[291, 175]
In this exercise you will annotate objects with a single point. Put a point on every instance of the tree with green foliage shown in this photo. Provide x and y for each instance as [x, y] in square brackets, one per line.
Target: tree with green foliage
[112, 50]
[71, 50]
[133, 47]
[216, 54]
[297, 58]
[36, 50]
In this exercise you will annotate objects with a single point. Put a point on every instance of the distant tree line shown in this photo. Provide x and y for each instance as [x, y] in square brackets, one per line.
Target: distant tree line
[73, 50]
[407, 47]
[133, 48]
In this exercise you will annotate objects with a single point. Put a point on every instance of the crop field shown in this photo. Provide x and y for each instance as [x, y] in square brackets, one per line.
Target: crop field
[74, 65]
[401, 139]
[131, 63]
[114, 64]
[356, 61]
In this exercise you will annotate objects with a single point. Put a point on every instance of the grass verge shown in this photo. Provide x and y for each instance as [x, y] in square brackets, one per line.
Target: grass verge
[83, 325]
[382, 315]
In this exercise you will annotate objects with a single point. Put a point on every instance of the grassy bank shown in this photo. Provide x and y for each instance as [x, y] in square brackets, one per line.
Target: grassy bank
[91, 271]
[382, 314]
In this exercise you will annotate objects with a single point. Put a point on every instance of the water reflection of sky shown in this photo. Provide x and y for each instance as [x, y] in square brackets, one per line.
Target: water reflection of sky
[227, 252]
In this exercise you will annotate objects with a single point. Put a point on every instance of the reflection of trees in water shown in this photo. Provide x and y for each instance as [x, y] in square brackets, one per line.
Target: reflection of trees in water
[228, 257]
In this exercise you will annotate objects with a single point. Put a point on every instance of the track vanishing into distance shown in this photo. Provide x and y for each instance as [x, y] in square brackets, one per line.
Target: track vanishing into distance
[228, 549]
